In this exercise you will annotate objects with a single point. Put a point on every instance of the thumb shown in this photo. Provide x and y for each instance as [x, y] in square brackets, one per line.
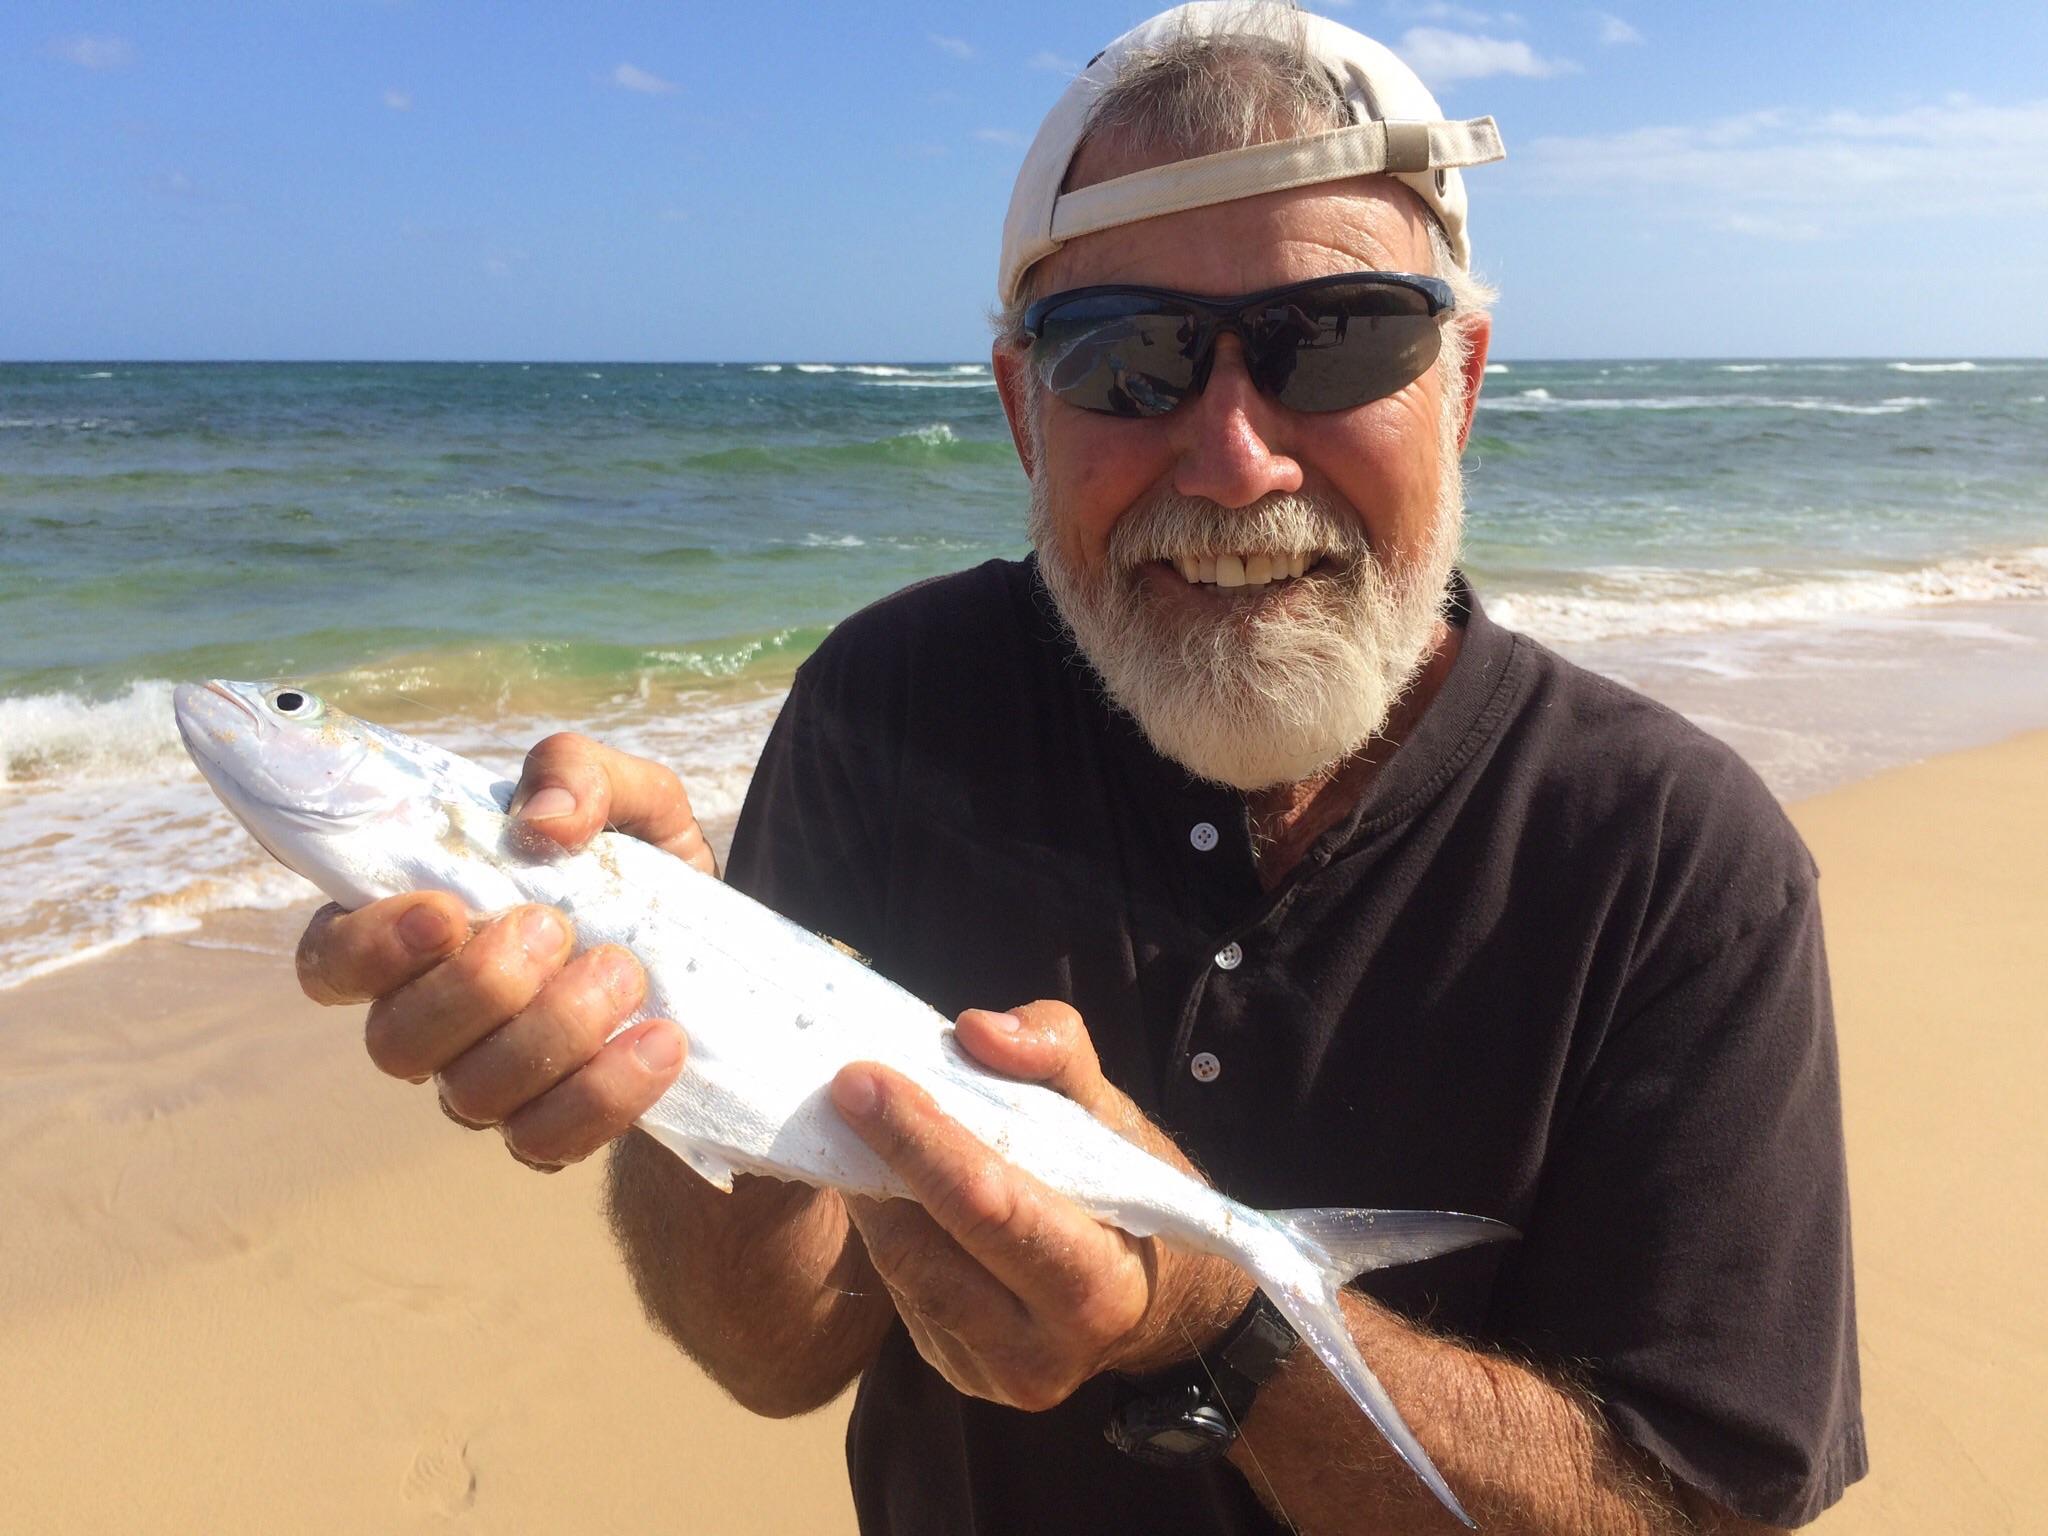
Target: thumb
[564, 792]
[1046, 1043]
[572, 788]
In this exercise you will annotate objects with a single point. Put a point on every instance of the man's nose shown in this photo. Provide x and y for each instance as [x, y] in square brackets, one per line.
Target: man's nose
[1230, 441]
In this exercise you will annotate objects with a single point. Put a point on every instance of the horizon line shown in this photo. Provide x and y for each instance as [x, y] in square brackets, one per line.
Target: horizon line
[955, 362]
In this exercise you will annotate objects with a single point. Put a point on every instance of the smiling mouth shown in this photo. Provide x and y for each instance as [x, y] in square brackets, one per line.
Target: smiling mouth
[1241, 568]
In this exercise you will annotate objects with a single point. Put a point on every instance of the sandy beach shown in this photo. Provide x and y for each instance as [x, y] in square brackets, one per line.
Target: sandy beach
[246, 1284]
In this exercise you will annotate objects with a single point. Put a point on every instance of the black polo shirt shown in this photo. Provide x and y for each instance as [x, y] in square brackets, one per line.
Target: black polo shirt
[1562, 967]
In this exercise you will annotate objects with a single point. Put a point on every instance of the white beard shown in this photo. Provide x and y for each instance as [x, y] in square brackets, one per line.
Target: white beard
[1303, 675]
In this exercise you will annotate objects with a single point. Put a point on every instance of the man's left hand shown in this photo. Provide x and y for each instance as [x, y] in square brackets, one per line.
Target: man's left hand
[1010, 1291]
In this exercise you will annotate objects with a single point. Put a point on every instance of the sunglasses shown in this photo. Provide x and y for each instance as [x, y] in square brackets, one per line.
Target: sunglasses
[1328, 344]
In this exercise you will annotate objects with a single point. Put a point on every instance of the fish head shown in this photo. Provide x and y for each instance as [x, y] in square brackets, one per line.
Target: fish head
[295, 771]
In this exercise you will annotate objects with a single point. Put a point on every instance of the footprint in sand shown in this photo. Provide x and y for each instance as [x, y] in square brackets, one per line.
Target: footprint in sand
[441, 1478]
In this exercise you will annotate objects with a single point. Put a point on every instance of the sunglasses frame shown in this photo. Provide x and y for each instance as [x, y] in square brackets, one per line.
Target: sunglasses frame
[1216, 316]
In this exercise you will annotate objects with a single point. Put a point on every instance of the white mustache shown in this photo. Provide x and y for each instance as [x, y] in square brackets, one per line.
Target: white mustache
[1174, 527]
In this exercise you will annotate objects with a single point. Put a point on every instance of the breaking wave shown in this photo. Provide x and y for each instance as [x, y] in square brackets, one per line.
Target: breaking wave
[1543, 400]
[1630, 601]
[936, 444]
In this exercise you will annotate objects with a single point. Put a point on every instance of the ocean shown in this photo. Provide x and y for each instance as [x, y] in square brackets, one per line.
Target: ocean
[483, 553]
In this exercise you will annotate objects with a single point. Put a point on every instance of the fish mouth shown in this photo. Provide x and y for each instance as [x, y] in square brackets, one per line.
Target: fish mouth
[189, 710]
[213, 686]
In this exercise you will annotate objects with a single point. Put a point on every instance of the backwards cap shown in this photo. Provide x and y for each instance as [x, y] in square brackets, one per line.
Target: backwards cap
[1396, 127]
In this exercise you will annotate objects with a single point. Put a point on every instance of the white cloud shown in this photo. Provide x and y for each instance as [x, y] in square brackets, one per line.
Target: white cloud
[1802, 175]
[1000, 136]
[398, 101]
[1614, 31]
[1441, 57]
[1053, 63]
[95, 52]
[1769, 229]
[1458, 15]
[959, 47]
[630, 77]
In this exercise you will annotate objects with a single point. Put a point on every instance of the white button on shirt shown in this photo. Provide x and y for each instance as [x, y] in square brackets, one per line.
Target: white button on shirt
[1203, 835]
[1229, 957]
[1205, 1068]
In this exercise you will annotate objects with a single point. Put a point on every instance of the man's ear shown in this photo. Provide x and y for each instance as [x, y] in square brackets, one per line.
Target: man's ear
[1008, 361]
[1479, 336]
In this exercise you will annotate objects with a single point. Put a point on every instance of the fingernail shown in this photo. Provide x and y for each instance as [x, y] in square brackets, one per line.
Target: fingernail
[424, 928]
[541, 932]
[659, 1049]
[621, 975]
[1008, 1023]
[547, 804]
[854, 1093]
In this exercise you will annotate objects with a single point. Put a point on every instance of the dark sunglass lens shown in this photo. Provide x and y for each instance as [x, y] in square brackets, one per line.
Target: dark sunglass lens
[1334, 348]
[1118, 356]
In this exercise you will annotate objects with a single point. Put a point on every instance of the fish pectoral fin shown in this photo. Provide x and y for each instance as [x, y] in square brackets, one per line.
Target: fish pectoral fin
[711, 1169]
[706, 1164]
[1344, 1243]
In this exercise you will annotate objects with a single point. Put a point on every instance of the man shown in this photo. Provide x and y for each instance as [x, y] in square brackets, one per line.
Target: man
[1363, 901]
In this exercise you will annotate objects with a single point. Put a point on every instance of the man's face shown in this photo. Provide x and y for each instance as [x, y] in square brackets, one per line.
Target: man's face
[1251, 685]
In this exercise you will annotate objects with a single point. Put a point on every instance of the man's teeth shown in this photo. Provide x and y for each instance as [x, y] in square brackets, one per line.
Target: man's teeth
[1232, 570]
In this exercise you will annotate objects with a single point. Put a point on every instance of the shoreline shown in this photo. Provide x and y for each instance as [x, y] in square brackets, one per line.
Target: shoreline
[1820, 705]
[250, 1275]
[1811, 706]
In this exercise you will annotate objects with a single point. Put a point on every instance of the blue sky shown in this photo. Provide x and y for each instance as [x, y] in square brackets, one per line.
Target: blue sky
[461, 179]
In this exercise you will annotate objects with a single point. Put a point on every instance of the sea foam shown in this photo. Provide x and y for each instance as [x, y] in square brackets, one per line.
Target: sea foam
[108, 834]
[1630, 600]
[61, 736]
[1543, 400]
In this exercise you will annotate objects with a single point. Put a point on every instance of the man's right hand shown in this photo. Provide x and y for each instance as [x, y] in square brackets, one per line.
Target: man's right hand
[511, 1026]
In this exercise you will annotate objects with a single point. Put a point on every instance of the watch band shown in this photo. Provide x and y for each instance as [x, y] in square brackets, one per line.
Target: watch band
[1191, 1413]
[1255, 1346]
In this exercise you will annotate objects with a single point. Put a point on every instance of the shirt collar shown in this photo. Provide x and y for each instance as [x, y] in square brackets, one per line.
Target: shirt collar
[1466, 709]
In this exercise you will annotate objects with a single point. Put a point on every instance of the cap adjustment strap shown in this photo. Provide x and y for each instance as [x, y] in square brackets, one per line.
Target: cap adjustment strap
[1363, 149]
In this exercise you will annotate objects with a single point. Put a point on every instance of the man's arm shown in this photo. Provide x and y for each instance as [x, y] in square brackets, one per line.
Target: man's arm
[767, 1288]
[1524, 1453]
[1016, 1295]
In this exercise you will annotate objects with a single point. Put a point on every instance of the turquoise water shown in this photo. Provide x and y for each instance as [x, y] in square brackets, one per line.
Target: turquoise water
[163, 520]
[486, 552]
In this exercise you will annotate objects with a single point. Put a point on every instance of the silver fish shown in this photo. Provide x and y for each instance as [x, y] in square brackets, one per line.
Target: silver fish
[772, 1011]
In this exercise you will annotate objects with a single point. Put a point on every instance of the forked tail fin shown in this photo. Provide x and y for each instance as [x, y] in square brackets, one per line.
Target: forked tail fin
[1339, 1244]
[1346, 1243]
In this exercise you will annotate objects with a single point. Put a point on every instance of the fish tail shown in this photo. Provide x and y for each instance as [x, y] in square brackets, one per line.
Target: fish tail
[1329, 1247]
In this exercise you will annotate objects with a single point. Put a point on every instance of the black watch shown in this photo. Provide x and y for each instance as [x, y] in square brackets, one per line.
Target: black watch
[1189, 1414]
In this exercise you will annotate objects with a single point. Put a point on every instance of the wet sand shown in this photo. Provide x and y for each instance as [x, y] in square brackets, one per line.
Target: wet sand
[246, 1284]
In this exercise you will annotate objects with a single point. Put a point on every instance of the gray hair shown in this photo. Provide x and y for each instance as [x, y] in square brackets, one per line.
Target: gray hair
[1201, 95]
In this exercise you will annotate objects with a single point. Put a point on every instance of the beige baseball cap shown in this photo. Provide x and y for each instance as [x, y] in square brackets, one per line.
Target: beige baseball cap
[1396, 127]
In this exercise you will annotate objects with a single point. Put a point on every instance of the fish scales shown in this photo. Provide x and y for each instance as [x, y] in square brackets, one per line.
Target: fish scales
[772, 1010]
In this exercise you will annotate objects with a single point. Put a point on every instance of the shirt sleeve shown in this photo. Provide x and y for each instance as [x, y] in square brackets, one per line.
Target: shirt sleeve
[1688, 1257]
[809, 841]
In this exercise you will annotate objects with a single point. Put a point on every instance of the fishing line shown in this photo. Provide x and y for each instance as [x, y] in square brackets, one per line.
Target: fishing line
[1224, 1402]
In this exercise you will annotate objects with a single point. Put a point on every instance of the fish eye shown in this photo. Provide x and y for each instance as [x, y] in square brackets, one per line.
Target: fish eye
[294, 704]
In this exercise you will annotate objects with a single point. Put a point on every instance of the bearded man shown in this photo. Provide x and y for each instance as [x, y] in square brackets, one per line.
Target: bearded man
[1364, 900]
